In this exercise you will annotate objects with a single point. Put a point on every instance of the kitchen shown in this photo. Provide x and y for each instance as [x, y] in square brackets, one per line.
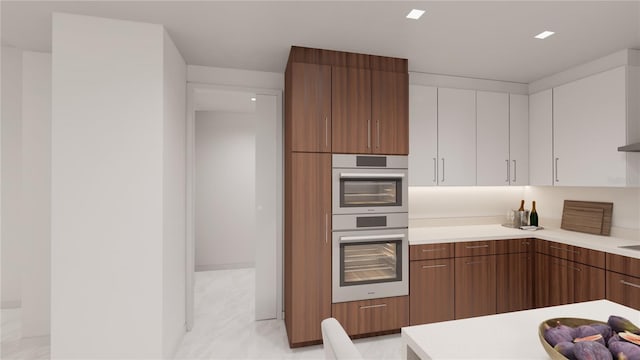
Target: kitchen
[443, 205]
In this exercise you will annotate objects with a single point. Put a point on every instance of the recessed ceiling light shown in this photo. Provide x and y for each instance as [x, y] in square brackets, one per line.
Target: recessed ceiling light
[253, 99]
[545, 34]
[415, 14]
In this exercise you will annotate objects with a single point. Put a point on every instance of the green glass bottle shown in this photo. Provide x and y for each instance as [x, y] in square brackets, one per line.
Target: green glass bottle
[533, 217]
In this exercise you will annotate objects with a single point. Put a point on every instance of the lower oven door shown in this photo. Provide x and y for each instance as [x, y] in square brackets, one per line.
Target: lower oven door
[369, 264]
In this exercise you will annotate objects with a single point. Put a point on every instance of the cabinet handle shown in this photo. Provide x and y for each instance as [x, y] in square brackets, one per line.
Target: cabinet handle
[369, 134]
[515, 171]
[507, 179]
[629, 284]
[563, 249]
[326, 131]
[372, 306]
[433, 266]
[477, 246]
[431, 250]
[473, 262]
[442, 169]
[435, 170]
[567, 266]
[525, 243]
[378, 133]
[326, 228]
[557, 169]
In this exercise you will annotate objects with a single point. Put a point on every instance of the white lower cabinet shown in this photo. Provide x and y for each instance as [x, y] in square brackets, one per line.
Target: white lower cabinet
[589, 124]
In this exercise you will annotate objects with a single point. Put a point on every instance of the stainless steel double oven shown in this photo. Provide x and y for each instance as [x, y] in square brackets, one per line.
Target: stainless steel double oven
[370, 238]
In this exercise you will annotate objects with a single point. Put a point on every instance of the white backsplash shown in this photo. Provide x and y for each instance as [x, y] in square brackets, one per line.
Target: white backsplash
[476, 205]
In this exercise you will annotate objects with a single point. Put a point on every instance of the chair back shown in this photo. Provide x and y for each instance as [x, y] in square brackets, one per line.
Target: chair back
[336, 342]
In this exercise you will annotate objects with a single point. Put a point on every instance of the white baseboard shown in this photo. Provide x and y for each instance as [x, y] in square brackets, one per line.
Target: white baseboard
[11, 304]
[225, 266]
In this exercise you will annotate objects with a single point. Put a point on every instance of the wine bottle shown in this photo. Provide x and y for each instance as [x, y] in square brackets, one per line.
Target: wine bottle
[533, 218]
[521, 205]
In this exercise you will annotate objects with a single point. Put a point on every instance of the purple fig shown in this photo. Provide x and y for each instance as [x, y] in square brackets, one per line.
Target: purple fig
[591, 350]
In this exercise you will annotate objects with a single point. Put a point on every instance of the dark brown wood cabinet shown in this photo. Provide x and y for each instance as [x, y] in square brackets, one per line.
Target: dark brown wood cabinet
[623, 280]
[565, 274]
[431, 251]
[371, 316]
[351, 110]
[390, 112]
[623, 289]
[475, 286]
[307, 264]
[514, 281]
[308, 107]
[431, 286]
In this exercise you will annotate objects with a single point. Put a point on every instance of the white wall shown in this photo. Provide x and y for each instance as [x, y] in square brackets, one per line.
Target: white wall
[11, 173]
[36, 196]
[174, 245]
[225, 189]
[109, 191]
[235, 77]
[550, 201]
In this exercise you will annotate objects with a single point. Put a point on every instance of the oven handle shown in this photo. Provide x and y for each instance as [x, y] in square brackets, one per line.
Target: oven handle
[370, 175]
[371, 237]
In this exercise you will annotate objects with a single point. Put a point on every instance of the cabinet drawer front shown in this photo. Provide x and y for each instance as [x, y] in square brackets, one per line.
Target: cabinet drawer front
[368, 316]
[573, 253]
[430, 251]
[431, 289]
[624, 290]
[623, 264]
[514, 246]
[476, 248]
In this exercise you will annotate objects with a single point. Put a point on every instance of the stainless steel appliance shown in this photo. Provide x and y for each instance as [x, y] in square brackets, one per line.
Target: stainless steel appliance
[369, 184]
[370, 256]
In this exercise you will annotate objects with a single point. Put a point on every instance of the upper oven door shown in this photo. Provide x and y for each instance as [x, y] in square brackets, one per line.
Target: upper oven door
[361, 191]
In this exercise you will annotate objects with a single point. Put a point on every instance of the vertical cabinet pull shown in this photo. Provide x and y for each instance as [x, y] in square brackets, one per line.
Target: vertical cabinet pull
[442, 169]
[378, 133]
[369, 134]
[515, 171]
[326, 228]
[508, 175]
[435, 170]
[326, 131]
[556, 168]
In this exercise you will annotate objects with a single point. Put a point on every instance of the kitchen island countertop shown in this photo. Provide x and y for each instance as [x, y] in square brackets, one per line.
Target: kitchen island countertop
[511, 335]
[448, 234]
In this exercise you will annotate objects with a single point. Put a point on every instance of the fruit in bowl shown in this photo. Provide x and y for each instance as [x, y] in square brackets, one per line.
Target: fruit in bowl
[585, 339]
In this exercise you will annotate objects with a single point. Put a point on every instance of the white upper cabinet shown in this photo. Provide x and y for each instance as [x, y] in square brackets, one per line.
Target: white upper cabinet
[456, 137]
[519, 139]
[541, 138]
[492, 123]
[423, 135]
[589, 123]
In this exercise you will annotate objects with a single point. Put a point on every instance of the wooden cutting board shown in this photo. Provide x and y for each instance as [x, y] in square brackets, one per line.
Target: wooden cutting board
[587, 216]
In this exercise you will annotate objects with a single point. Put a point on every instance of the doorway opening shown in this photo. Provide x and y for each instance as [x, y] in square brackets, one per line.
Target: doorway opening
[234, 194]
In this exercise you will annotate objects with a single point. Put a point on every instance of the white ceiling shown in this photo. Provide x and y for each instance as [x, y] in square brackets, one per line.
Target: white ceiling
[480, 39]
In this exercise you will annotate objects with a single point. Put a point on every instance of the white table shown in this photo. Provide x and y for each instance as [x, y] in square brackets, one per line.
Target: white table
[504, 336]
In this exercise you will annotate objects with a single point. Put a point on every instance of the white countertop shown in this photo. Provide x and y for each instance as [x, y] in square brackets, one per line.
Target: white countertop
[504, 336]
[446, 234]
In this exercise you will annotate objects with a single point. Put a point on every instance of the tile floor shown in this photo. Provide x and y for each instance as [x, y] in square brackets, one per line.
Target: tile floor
[224, 328]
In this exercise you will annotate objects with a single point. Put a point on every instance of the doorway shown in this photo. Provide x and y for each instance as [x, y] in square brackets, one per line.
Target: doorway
[234, 189]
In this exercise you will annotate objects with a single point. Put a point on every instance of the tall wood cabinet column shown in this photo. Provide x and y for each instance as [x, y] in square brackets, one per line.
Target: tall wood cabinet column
[307, 246]
[328, 109]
